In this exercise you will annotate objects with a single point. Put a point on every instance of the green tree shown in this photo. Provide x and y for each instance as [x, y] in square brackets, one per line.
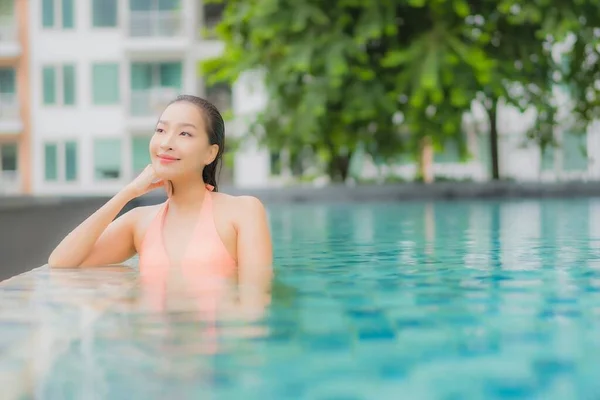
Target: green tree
[391, 74]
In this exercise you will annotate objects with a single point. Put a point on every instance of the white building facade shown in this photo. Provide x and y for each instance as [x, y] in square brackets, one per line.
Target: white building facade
[101, 73]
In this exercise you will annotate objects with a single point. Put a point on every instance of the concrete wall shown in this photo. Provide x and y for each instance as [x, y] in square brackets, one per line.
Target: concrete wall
[31, 228]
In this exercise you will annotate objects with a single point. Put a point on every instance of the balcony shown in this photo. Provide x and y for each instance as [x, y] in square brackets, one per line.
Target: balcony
[10, 47]
[10, 183]
[10, 116]
[157, 30]
[147, 105]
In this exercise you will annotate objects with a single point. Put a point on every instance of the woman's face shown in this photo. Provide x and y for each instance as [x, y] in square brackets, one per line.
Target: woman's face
[180, 145]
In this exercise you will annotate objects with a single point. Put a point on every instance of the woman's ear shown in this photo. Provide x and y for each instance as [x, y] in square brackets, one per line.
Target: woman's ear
[212, 154]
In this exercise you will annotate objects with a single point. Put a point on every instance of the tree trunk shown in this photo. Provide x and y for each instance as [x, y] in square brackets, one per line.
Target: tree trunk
[493, 116]
[426, 160]
[339, 167]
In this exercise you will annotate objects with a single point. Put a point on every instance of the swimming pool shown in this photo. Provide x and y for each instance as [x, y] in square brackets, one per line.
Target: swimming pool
[440, 300]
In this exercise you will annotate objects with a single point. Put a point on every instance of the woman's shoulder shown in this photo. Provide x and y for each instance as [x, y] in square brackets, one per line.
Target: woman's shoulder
[237, 201]
[143, 215]
[240, 206]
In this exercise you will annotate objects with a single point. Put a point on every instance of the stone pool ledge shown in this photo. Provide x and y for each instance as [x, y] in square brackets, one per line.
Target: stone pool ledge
[410, 192]
[43, 311]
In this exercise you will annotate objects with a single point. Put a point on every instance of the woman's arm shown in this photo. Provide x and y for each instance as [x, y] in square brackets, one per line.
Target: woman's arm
[254, 247]
[99, 240]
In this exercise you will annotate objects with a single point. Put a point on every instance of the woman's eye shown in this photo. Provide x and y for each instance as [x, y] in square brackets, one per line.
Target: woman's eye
[159, 130]
[186, 134]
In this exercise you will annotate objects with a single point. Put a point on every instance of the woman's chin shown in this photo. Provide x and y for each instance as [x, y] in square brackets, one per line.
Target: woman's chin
[164, 171]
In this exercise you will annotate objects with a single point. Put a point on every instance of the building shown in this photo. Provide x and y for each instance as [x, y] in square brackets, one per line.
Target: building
[102, 71]
[15, 133]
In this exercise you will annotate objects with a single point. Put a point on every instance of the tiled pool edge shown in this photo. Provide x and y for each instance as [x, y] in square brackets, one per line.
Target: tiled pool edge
[30, 301]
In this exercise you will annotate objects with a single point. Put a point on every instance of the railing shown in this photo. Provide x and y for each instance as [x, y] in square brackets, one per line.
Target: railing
[10, 182]
[151, 102]
[155, 23]
[8, 29]
[9, 106]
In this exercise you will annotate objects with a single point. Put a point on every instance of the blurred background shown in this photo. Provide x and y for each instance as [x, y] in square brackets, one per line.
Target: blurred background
[314, 93]
[390, 91]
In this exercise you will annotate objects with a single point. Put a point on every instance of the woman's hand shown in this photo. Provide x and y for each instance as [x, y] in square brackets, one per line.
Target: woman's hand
[145, 182]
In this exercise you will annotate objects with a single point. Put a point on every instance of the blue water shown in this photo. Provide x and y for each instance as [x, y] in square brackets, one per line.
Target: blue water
[446, 300]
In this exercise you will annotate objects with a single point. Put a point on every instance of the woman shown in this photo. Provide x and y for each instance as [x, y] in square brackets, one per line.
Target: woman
[197, 232]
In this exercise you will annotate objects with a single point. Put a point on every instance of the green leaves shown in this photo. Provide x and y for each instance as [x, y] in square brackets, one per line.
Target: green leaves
[340, 73]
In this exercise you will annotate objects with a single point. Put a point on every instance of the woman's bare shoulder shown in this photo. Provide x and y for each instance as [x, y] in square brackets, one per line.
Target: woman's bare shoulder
[240, 207]
[236, 202]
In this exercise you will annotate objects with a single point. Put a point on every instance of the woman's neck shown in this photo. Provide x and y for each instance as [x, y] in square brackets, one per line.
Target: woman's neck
[188, 195]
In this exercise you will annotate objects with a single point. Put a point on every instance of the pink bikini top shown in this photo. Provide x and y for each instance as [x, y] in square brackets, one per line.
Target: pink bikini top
[206, 256]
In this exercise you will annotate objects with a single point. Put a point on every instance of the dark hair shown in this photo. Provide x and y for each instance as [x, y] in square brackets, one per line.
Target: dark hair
[215, 127]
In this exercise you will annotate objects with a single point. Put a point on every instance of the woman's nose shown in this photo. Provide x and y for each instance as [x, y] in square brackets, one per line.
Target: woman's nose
[167, 142]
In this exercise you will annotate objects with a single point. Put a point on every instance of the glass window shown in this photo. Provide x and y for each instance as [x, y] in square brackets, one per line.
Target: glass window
[105, 83]
[51, 162]
[107, 159]
[141, 153]
[548, 158]
[71, 161]
[140, 5]
[69, 80]
[8, 157]
[170, 74]
[48, 13]
[574, 152]
[220, 95]
[104, 13]
[49, 83]
[449, 154]
[68, 13]
[141, 76]
[7, 80]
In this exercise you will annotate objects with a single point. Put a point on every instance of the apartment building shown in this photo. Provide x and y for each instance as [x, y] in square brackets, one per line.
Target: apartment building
[102, 71]
[15, 160]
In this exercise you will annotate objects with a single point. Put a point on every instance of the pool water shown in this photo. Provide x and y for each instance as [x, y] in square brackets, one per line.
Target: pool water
[415, 300]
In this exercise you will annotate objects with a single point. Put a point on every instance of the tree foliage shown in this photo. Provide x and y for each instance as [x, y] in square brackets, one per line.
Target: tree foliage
[387, 74]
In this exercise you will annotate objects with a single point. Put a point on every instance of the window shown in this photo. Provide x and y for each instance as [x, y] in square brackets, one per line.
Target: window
[71, 161]
[148, 5]
[450, 153]
[51, 162]
[220, 95]
[49, 83]
[7, 80]
[54, 78]
[107, 159]
[212, 15]
[105, 83]
[153, 85]
[58, 13]
[140, 153]
[61, 161]
[574, 151]
[104, 13]
[69, 84]
[9, 105]
[8, 157]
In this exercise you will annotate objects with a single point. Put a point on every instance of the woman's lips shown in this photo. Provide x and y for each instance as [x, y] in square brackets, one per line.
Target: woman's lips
[167, 159]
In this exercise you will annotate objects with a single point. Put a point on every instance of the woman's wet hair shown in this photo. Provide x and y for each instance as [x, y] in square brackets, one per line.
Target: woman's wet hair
[215, 128]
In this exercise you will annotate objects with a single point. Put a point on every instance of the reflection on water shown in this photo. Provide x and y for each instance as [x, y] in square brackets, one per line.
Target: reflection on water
[429, 300]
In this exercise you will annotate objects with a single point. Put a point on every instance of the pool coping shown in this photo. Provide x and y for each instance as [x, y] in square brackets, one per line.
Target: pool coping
[359, 193]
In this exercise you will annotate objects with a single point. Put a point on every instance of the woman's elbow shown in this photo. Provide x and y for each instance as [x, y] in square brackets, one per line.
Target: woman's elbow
[57, 262]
